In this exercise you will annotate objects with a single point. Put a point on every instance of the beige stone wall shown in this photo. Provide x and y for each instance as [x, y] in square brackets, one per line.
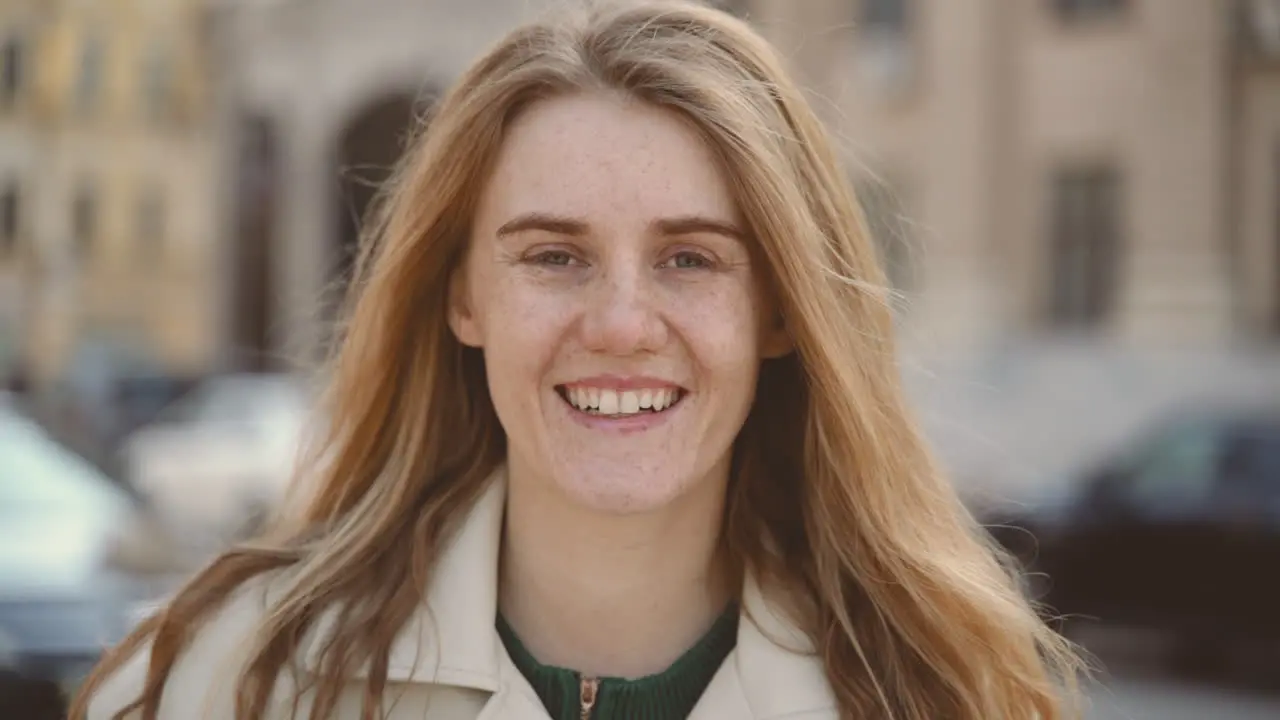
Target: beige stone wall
[969, 115]
[967, 118]
[1257, 200]
[992, 97]
[152, 298]
[19, 157]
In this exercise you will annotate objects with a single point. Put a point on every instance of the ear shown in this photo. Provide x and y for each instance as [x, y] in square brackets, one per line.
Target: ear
[462, 318]
[775, 341]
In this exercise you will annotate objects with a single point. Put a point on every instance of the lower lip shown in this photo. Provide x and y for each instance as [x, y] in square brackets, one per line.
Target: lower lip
[624, 424]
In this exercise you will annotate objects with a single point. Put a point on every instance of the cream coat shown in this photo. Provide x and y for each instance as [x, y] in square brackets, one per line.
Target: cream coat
[456, 668]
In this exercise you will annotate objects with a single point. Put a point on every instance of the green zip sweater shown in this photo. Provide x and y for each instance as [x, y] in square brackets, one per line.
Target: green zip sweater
[669, 695]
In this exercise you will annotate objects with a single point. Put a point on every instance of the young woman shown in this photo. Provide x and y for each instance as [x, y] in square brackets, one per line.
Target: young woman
[615, 431]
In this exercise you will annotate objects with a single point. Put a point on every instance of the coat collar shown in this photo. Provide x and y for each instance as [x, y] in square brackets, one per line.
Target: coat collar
[452, 640]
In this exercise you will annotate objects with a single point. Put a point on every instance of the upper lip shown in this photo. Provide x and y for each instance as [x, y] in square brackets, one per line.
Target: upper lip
[623, 382]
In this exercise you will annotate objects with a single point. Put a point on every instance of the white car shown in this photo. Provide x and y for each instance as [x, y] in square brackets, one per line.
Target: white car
[220, 456]
[64, 592]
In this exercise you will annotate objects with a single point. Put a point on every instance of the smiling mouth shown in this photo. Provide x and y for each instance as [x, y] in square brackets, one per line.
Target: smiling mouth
[609, 402]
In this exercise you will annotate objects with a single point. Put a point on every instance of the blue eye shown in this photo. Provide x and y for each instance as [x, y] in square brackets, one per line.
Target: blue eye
[557, 258]
[688, 261]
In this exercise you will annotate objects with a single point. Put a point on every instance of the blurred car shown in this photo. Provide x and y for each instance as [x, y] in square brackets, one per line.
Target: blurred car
[23, 697]
[1179, 534]
[138, 399]
[64, 527]
[221, 456]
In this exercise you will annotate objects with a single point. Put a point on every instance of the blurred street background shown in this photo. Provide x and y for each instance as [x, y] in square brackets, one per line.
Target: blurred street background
[1078, 202]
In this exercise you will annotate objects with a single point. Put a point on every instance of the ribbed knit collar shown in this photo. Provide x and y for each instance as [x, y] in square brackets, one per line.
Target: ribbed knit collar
[668, 695]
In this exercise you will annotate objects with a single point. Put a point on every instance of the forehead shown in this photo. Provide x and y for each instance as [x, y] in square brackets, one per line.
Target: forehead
[605, 156]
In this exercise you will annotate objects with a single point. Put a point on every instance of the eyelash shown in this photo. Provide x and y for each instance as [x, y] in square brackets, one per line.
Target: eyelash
[544, 258]
[704, 262]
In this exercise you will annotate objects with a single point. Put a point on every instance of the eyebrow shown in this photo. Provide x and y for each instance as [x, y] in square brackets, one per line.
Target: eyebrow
[557, 224]
[577, 227]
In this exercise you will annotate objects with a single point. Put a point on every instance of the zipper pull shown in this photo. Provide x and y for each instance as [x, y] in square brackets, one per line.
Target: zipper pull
[587, 690]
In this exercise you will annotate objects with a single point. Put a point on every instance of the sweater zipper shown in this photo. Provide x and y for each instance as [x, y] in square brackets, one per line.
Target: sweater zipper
[587, 689]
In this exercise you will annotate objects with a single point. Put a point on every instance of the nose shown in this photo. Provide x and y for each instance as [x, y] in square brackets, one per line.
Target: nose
[621, 316]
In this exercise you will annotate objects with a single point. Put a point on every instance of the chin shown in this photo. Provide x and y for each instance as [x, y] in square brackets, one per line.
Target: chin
[623, 488]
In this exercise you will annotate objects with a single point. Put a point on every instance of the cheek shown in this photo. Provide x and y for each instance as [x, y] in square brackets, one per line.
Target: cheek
[523, 327]
[721, 329]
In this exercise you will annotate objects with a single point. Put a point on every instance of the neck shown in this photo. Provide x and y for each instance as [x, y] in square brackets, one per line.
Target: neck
[612, 595]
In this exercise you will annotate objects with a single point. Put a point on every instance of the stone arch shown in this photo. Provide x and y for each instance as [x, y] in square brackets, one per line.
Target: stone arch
[365, 152]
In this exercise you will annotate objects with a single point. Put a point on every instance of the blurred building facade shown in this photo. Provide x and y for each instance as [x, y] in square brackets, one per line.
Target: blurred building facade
[1097, 168]
[1077, 198]
[107, 189]
[1080, 200]
[319, 97]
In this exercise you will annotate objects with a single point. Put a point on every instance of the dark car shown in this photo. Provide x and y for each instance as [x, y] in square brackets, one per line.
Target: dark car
[1181, 534]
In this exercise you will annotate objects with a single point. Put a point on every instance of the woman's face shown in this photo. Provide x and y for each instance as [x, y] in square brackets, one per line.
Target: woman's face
[610, 287]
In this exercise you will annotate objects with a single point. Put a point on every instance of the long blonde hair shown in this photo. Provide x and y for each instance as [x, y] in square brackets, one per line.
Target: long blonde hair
[836, 504]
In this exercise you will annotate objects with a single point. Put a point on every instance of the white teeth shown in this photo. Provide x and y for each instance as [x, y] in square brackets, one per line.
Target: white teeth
[604, 401]
[629, 403]
[608, 402]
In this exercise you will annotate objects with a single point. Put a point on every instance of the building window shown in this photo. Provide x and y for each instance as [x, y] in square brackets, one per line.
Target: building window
[11, 71]
[1257, 27]
[1079, 10]
[157, 84]
[84, 219]
[885, 16]
[1085, 237]
[151, 221]
[883, 48]
[89, 78]
[10, 220]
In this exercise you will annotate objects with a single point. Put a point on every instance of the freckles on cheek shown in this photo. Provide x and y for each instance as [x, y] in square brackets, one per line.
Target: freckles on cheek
[532, 308]
[724, 321]
[504, 299]
[526, 322]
